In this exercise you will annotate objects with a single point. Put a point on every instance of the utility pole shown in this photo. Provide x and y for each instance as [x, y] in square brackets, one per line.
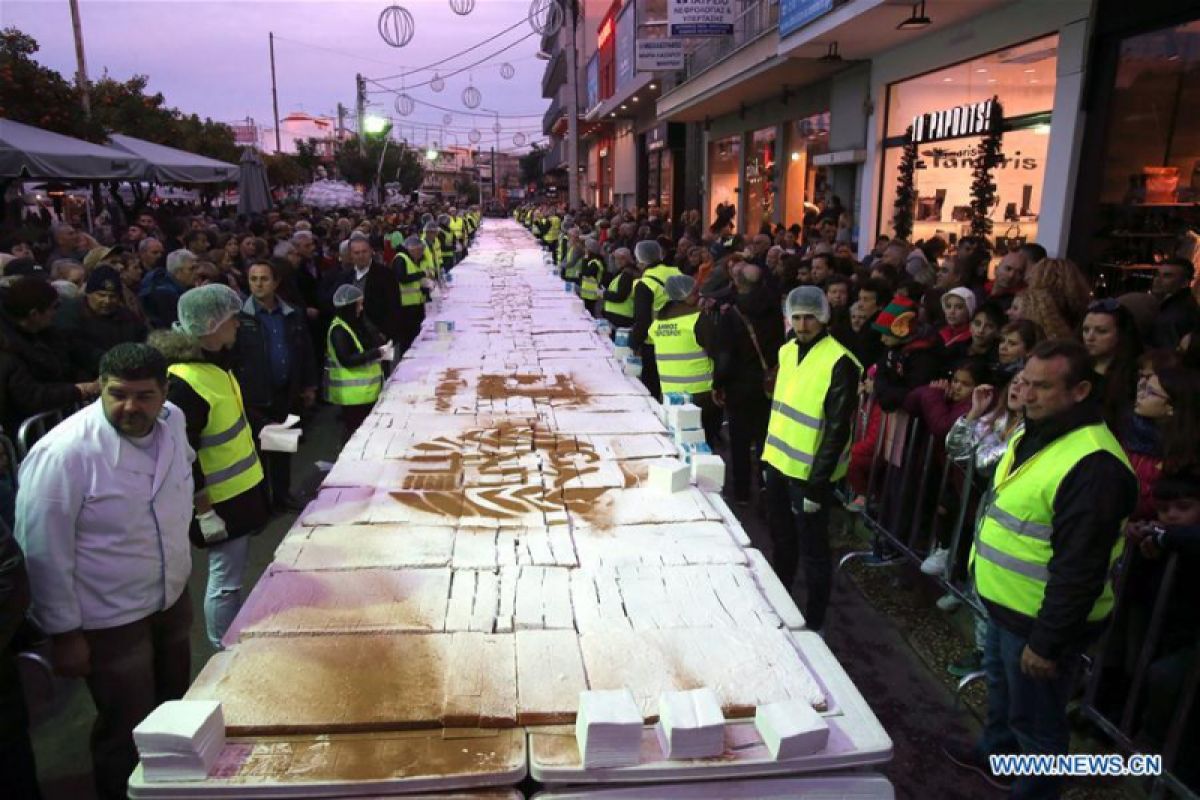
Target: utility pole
[572, 112]
[495, 177]
[81, 78]
[341, 115]
[274, 90]
[360, 108]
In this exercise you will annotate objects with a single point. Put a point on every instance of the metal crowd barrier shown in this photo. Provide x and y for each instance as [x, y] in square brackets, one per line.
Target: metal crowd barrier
[36, 427]
[904, 518]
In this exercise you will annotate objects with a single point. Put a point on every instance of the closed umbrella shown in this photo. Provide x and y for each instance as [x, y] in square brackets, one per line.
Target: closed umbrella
[254, 196]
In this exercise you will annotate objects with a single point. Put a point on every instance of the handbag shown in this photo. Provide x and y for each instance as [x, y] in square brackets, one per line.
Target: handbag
[769, 373]
[1011, 240]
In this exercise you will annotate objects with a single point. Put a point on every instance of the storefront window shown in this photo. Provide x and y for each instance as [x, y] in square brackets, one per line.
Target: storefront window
[1022, 79]
[658, 182]
[804, 183]
[760, 180]
[724, 160]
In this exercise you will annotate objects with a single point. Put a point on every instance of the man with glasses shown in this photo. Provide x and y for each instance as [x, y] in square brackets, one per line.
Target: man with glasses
[1178, 313]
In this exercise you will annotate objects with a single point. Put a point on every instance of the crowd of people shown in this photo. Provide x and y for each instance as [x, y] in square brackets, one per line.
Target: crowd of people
[196, 335]
[1081, 416]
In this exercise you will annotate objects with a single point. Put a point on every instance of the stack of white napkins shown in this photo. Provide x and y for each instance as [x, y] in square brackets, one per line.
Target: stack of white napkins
[791, 729]
[608, 729]
[180, 740]
[690, 724]
[281, 437]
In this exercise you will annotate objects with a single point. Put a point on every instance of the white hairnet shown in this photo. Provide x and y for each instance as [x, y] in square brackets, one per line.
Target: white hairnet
[648, 252]
[807, 300]
[204, 309]
[593, 246]
[414, 241]
[679, 286]
[346, 294]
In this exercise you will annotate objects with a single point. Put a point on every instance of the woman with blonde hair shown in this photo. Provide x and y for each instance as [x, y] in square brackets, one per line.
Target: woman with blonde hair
[1064, 283]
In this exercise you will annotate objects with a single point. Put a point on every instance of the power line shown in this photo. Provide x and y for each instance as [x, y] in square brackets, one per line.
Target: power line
[485, 114]
[453, 56]
[451, 74]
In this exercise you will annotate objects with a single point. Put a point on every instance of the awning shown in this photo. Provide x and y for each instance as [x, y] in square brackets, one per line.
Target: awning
[162, 164]
[29, 152]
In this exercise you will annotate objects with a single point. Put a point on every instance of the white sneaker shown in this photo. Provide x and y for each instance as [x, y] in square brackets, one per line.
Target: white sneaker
[935, 563]
[948, 602]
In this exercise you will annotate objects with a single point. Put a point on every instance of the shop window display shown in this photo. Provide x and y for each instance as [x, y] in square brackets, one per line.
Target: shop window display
[761, 180]
[724, 164]
[804, 183]
[1022, 78]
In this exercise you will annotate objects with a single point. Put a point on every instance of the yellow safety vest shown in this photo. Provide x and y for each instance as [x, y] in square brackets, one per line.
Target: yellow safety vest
[655, 278]
[575, 269]
[1012, 552]
[410, 289]
[683, 366]
[350, 386]
[227, 456]
[456, 227]
[447, 246]
[431, 259]
[797, 421]
[563, 250]
[625, 307]
[551, 234]
[589, 280]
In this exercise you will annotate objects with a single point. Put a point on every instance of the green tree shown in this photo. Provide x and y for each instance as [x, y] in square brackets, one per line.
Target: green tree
[468, 188]
[531, 164]
[307, 157]
[285, 170]
[36, 95]
[401, 164]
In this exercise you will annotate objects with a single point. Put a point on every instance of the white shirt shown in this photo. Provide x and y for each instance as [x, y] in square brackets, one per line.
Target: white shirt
[103, 521]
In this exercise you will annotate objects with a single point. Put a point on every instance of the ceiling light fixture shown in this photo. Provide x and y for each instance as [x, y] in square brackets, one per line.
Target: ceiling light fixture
[654, 86]
[832, 56]
[915, 21]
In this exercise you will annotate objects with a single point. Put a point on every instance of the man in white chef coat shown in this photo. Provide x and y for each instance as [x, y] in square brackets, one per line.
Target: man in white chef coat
[103, 510]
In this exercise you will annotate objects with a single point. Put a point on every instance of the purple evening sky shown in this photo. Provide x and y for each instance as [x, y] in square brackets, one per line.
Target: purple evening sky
[211, 58]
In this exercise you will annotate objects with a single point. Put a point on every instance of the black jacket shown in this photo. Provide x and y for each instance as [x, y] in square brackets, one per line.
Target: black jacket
[249, 511]
[36, 375]
[1089, 505]
[348, 354]
[1177, 316]
[252, 359]
[841, 403]
[737, 368]
[902, 369]
[90, 335]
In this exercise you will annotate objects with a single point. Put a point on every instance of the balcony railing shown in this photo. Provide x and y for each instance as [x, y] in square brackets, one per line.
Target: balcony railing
[756, 18]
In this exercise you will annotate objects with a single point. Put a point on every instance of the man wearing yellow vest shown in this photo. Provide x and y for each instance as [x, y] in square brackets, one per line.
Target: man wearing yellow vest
[553, 230]
[590, 274]
[231, 494]
[1042, 561]
[808, 446]
[353, 352]
[411, 277]
[431, 260]
[682, 338]
[649, 297]
[618, 297]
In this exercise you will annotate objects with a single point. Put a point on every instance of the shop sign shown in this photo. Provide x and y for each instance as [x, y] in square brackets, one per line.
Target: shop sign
[659, 55]
[625, 46]
[973, 119]
[592, 98]
[656, 137]
[795, 14]
[692, 18]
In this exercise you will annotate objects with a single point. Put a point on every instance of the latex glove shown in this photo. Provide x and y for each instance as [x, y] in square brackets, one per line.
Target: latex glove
[810, 507]
[387, 352]
[212, 527]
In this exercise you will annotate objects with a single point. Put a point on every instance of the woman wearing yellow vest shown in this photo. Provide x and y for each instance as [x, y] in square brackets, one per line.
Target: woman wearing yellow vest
[649, 297]
[590, 275]
[808, 446]
[618, 297]
[231, 493]
[353, 351]
[682, 336]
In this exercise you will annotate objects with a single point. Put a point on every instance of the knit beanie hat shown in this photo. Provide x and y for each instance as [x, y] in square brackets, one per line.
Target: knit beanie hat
[898, 319]
[964, 294]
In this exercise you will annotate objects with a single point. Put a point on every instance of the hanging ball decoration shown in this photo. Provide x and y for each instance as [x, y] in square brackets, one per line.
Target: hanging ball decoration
[472, 97]
[507, 70]
[462, 7]
[447, 119]
[405, 105]
[474, 136]
[519, 139]
[546, 16]
[497, 128]
[396, 26]
[437, 83]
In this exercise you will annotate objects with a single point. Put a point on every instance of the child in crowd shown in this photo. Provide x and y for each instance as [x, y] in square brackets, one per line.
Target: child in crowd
[985, 335]
[958, 307]
[1017, 339]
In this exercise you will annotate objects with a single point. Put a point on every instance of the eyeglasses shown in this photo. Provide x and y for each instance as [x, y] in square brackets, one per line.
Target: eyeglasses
[1108, 305]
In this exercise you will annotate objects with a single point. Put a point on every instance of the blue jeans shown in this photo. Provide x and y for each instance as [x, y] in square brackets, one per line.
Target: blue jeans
[1024, 715]
[223, 597]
